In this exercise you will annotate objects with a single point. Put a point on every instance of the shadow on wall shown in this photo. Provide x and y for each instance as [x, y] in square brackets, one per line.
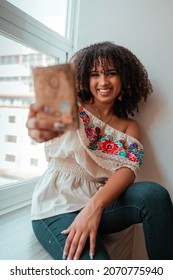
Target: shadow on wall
[153, 116]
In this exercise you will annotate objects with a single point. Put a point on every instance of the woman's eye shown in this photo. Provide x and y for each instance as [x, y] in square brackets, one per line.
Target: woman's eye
[94, 74]
[112, 73]
[107, 73]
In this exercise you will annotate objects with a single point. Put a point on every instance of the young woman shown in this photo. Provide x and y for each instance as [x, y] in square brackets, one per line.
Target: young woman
[88, 188]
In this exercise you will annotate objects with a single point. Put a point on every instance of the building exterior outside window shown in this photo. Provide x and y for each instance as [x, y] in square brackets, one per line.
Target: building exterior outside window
[16, 94]
[26, 41]
[20, 156]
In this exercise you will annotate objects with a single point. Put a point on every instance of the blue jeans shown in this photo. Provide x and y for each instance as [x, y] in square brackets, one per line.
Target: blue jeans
[143, 202]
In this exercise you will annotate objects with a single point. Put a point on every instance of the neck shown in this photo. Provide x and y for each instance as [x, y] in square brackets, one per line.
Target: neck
[102, 109]
[104, 112]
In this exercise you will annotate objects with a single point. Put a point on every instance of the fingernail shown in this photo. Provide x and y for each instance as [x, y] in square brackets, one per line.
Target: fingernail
[58, 125]
[91, 256]
[46, 109]
[31, 123]
[64, 256]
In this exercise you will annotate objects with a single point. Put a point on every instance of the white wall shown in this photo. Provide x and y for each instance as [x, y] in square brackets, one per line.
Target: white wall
[146, 28]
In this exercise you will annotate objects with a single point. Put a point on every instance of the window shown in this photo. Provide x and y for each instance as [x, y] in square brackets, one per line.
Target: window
[16, 94]
[52, 13]
[11, 119]
[10, 158]
[34, 161]
[29, 37]
[11, 138]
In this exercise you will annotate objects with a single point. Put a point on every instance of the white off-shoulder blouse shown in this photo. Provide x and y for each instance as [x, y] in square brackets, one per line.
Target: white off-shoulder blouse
[80, 162]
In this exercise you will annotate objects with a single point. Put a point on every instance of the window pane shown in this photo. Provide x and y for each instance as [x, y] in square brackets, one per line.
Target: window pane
[53, 13]
[11, 138]
[20, 156]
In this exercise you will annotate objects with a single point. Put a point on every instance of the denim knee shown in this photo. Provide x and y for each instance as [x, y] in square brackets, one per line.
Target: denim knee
[154, 198]
[151, 190]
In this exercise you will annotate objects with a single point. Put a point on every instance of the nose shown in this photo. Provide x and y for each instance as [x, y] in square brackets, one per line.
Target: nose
[103, 80]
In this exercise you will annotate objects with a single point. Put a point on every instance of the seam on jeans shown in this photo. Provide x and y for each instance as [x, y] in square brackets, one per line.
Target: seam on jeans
[127, 206]
[52, 235]
[118, 208]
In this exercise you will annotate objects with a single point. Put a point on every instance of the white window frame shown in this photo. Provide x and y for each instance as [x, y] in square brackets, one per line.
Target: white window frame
[16, 24]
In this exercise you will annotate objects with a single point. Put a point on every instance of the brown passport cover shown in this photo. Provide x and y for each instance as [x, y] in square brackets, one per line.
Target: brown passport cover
[55, 89]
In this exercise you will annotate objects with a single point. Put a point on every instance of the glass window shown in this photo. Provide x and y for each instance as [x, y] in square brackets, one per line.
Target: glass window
[34, 161]
[27, 22]
[11, 119]
[52, 13]
[16, 94]
[11, 138]
[10, 158]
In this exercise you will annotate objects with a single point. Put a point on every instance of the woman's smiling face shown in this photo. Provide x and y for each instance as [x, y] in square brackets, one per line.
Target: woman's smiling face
[105, 83]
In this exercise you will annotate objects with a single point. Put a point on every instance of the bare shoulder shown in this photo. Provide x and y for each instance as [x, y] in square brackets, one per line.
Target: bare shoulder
[79, 99]
[133, 129]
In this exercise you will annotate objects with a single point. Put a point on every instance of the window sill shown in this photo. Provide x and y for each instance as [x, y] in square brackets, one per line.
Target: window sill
[18, 241]
[16, 195]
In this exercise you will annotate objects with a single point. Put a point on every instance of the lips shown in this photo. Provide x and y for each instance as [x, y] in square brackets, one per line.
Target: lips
[104, 91]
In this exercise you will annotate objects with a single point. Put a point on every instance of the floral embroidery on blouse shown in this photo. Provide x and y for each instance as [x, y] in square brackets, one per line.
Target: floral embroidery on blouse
[106, 143]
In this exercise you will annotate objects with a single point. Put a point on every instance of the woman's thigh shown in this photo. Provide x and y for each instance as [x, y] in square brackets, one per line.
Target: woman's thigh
[48, 232]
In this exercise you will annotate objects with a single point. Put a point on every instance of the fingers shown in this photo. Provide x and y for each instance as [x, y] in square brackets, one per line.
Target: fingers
[92, 245]
[34, 109]
[77, 248]
[76, 242]
[37, 107]
[41, 136]
[40, 129]
[81, 229]
[44, 124]
[74, 246]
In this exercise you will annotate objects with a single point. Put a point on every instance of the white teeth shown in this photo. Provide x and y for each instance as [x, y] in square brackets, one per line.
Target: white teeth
[104, 90]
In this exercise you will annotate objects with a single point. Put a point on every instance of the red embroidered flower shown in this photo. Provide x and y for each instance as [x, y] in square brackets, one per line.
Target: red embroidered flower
[132, 157]
[109, 146]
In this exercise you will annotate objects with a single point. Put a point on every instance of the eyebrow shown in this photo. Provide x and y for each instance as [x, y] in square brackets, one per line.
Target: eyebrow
[109, 69]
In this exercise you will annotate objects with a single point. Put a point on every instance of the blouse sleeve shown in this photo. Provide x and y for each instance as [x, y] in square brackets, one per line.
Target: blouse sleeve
[112, 150]
[99, 145]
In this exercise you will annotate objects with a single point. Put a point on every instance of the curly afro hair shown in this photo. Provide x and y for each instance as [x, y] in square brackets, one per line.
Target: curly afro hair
[136, 85]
